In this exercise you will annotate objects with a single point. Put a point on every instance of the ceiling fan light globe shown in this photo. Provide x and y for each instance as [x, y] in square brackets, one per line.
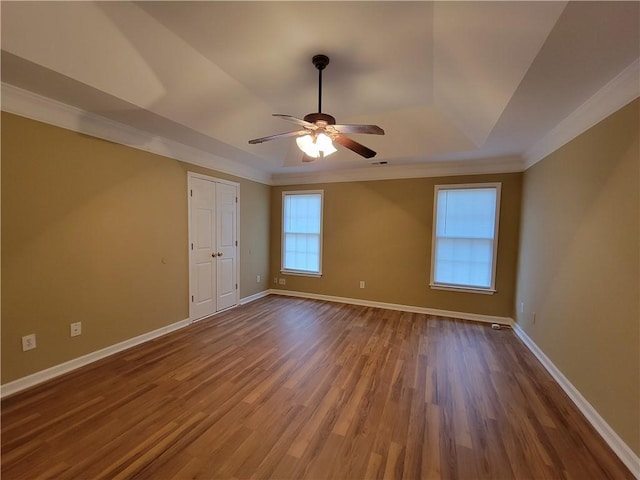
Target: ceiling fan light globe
[313, 147]
[305, 143]
[325, 144]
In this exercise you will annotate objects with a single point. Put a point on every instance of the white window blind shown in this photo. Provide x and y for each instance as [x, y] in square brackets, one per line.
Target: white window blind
[302, 232]
[465, 233]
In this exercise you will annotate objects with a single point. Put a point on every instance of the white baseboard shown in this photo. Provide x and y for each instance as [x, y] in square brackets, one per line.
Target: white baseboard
[394, 306]
[620, 448]
[254, 297]
[57, 370]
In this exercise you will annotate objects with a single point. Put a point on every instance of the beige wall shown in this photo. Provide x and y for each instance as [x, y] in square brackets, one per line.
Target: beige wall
[86, 225]
[579, 266]
[381, 232]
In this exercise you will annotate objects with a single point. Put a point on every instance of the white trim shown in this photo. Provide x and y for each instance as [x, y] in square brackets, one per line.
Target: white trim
[624, 88]
[620, 448]
[301, 273]
[43, 109]
[466, 288]
[293, 193]
[389, 172]
[209, 178]
[239, 246]
[614, 95]
[254, 297]
[394, 306]
[37, 107]
[66, 367]
[457, 288]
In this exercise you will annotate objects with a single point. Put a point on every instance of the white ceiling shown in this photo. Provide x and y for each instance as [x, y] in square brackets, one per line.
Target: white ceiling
[447, 81]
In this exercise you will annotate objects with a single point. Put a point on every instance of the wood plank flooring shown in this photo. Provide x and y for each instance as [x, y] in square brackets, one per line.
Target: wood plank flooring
[301, 389]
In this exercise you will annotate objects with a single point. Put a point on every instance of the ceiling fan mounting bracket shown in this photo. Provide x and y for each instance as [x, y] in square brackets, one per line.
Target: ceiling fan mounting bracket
[320, 61]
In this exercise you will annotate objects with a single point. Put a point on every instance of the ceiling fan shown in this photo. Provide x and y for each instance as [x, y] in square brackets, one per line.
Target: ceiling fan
[319, 130]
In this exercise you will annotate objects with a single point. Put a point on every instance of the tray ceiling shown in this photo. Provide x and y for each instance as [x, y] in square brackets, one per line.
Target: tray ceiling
[448, 81]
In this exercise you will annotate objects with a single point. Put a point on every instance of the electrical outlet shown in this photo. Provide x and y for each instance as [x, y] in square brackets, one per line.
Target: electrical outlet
[29, 342]
[361, 283]
[282, 281]
[76, 329]
[275, 280]
[257, 278]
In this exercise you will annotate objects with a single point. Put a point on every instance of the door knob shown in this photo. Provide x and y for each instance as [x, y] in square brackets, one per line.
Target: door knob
[214, 255]
[219, 254]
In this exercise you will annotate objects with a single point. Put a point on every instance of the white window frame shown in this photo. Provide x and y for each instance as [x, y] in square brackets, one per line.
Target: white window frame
[302, 273]
[464, 288]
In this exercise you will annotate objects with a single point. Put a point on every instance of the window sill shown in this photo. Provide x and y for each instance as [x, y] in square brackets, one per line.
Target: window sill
[454, 288]
[300, 273]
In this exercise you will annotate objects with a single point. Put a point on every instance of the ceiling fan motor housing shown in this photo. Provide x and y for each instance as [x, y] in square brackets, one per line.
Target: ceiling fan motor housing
[314, 117]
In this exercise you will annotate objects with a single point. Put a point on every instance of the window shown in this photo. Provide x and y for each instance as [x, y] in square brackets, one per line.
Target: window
[465, 237]
[302, 232]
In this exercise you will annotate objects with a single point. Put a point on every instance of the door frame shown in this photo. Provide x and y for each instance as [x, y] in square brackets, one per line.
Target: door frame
[190, 176]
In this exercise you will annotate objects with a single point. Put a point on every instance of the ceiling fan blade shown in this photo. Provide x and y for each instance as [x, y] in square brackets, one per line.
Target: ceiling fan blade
[279, 135]
[299, 121]
[369, 129]
[354, 146]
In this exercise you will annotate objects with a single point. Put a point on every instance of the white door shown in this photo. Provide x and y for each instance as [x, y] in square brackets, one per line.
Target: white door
[226, 218]
[203, 259]
[213, 247]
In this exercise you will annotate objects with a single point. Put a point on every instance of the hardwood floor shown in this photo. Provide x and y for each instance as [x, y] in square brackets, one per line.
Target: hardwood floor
[292, 388]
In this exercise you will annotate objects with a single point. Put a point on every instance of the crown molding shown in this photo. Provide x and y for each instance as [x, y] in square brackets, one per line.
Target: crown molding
[391, 172]
[37, 107]
[620, 91]
[43, 109]
[617, 93]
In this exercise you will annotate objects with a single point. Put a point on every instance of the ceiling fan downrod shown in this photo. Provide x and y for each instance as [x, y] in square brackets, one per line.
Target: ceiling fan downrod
[320, 62]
